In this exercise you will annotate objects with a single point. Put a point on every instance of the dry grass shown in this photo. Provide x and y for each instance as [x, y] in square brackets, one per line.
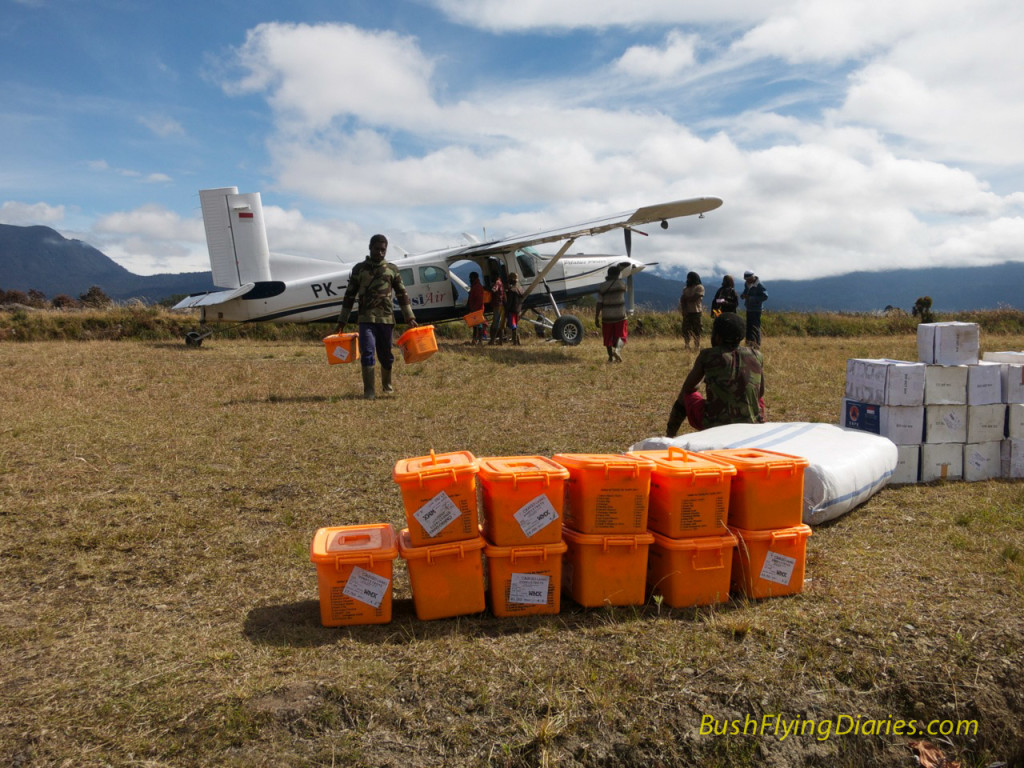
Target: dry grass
[159, 607]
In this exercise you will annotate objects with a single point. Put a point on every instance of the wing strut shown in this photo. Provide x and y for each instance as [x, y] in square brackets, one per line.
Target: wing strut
[544, 272]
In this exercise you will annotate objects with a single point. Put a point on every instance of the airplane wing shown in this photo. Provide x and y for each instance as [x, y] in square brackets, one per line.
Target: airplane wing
[216, 297]
[626, 220]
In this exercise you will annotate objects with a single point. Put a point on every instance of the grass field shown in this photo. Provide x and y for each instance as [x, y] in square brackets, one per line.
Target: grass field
[159, 607]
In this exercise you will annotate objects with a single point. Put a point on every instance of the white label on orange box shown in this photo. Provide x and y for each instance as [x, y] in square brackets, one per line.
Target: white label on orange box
[366, 587]
[531, 588]
[778, 568]
[341, 353]
[536, 514]
[437, 514]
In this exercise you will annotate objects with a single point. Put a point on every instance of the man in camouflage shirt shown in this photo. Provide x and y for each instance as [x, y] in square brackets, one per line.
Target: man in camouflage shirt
[374, 282]
[733, 377]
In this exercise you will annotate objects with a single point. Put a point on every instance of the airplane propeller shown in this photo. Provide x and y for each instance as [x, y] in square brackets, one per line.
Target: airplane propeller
[629, 238]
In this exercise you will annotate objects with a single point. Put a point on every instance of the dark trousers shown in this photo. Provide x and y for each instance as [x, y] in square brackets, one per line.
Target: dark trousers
[754, 326]
[376, 337]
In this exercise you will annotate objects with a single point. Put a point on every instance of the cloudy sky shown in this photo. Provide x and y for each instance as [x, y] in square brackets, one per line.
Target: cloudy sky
[841, 135]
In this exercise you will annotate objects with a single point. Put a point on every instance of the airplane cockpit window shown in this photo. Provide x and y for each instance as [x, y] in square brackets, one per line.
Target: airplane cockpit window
[526, 263]
[406, 275]
[432, 275]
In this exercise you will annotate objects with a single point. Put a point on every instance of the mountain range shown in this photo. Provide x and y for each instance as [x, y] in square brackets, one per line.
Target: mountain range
[40, 258]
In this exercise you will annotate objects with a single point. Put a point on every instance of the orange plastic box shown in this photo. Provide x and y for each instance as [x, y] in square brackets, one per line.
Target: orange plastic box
[417, 344]
[770, 563]
[342, 348]
[768, 489]
[606, 493]
[474, 319]
[605, 569]
[439, 493]
[353, 571]
[689, 493]
[522, 500]
[525, 581]
[446, 579]
[695, 571]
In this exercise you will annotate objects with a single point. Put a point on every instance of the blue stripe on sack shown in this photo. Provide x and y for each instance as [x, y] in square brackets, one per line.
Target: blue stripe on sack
[863, 489]
[775, 436]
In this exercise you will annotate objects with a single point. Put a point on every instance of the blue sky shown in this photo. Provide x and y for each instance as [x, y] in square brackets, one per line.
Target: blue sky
[842, 136]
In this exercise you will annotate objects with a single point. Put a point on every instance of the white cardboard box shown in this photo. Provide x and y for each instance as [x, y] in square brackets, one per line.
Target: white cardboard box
[1015, 420]
[945, 424]
[1012, 458]
[982, 461]
[986, 423]
[942, 461]
[948, 343]
[908, 464]
[1013, 382]
[984, 384]
[903, 424]
[945, 384]
[885, 382]
[1004, 357]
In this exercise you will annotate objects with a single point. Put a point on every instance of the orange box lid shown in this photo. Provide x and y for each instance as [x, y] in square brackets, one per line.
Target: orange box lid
[409, 552]
[527, 550]
[603, 460]
[773, 534]
[354, 544]
[457, 463]
[759, 457]
[518, 468]
[677, 462]
[605, 540]
[339, 337]
[715, 541]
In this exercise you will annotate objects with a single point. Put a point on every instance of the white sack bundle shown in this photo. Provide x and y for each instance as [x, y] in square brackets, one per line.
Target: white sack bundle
[847, 466]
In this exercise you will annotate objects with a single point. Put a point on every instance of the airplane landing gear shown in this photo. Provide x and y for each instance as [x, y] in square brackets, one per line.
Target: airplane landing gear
[568, 329]
[193, 339]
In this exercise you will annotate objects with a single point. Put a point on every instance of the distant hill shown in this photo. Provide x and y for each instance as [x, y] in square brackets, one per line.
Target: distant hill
[40, 258]
[951, 289]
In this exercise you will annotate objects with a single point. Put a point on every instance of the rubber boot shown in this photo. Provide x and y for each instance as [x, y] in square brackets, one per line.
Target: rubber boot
[515, 338]
[615, 351]
[385, 380]
[369, 389]
[611, 355]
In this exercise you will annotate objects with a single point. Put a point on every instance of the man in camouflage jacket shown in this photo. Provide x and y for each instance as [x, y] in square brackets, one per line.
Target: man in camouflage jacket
[374, 282]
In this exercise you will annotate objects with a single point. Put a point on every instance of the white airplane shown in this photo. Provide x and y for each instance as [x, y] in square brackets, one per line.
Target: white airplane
[264, 286]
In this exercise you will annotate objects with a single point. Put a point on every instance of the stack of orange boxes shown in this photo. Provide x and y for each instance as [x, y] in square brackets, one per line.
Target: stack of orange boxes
[442, 545]
[522, 509]
[690, 562]
[605, 528]
[765, 514]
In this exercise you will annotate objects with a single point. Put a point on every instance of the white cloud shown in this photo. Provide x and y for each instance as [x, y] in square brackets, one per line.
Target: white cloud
[30, 214]
[162, 126]
[151, 240]
[643, 61]
[503, 16]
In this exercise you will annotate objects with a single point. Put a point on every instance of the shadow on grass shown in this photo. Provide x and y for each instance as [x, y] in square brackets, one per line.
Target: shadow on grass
[297, 625]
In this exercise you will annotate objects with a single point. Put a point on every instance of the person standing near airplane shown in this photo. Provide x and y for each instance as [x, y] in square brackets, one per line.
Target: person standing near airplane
[754, 295]
[375, 283]
[513, 306]
[691, 305]
[610, 314]
[725, 299]
[475, 303]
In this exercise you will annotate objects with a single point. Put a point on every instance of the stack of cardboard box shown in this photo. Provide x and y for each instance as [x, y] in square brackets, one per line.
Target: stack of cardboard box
[948, 413]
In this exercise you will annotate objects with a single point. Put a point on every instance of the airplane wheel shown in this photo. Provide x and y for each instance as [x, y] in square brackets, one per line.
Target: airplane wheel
[193, 339]
[568, 330]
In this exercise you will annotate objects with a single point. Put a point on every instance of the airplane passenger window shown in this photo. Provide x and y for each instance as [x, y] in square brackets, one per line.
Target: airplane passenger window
[432, 275]
[406, 275]
[525, 261]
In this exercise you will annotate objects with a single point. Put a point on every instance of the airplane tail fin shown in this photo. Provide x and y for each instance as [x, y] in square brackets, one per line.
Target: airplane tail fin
[236, 237]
